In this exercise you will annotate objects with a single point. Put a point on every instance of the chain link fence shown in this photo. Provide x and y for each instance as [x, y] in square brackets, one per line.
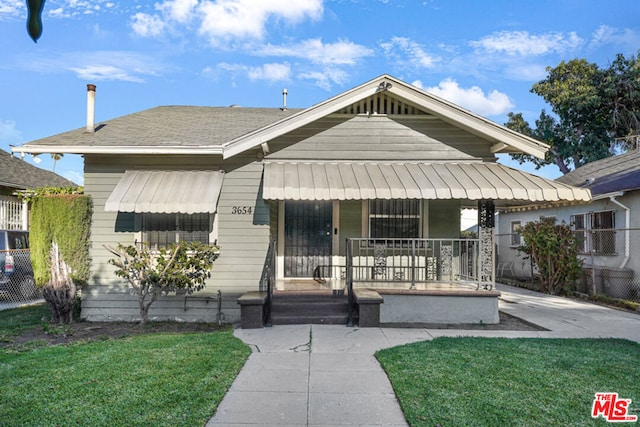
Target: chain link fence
[611, 262]
[17, 285]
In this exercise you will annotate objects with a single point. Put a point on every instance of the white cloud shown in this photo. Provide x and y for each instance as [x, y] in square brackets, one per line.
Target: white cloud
[326, 78]
[621, 37]
[270, 72]
[96, 65]
[8, 131]
[473, 98]
[525, 44]
[147, 25]
[343, 52]
[11, 8]
[181, 11]
[403, 49]
[104, 72]
[73, 8]
[223, 20]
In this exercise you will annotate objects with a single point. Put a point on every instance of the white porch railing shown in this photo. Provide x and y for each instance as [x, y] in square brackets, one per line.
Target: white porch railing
[414, 261]
[13, 214]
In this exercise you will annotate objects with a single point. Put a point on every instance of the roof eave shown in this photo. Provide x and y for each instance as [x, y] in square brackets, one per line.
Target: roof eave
[62, 149]
[506, 139]
[304, 117]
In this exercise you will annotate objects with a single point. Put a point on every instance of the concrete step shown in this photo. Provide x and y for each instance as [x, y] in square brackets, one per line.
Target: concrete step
[307, 308]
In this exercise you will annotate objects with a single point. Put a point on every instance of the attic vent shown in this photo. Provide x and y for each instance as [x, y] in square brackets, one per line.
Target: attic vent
[381, 104]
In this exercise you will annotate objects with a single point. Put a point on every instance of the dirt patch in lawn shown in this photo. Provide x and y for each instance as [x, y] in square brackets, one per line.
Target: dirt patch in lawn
[52, 334]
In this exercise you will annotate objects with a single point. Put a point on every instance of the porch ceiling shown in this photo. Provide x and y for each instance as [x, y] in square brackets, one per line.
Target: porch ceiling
[166, 192]
[409, 180]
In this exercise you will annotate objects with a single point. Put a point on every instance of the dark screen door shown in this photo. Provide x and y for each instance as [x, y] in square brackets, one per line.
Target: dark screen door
[307, 233]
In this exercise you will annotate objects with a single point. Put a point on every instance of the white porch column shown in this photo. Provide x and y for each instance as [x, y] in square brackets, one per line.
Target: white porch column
[25, 215]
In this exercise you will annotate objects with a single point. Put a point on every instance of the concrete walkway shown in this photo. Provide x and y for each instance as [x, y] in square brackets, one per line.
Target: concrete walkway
[322, 375]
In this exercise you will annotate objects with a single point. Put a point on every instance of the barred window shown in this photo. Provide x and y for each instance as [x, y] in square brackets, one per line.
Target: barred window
[595, 232]
[391, 219]
[516, 237]
[579, 224]
[162, 230]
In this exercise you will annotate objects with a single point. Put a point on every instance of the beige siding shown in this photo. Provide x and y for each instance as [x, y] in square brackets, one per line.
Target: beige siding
[418, 138]
[243, 238]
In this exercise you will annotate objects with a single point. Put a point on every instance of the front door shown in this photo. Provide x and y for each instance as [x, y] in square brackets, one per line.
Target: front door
[307, 234]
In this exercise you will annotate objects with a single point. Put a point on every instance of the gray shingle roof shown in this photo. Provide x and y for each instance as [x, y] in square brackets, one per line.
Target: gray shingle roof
[172, 125]
[615, 173]
[16, 173]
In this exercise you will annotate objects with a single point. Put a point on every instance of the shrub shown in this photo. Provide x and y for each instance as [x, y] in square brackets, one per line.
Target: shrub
[66, 218]
[184, 266]
[553, 249]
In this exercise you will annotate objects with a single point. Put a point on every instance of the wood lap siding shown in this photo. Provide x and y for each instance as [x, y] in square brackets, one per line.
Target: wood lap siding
[243, 239]
[379, 138]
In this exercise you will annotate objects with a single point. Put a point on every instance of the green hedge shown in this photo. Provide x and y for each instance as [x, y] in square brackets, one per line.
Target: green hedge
[66, 219]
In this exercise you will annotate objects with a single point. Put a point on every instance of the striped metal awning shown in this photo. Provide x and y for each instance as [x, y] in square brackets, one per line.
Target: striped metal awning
[407, 180]
[166, 192]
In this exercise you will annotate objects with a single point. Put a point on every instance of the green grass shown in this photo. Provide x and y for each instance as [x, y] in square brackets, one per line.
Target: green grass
[148, 380]
[16, 320]
[510, 382]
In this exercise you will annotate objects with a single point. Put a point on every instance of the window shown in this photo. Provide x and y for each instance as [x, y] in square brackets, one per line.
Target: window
[595, 232]
[516, 238]
[580, 228]
[162, 230]
[391, 219]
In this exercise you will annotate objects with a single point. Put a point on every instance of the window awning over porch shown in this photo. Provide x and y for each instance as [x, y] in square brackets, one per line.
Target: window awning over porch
[407, 180]
[166, 192]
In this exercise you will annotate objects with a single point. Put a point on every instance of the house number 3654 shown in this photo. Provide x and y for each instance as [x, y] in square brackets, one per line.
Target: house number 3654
[241, 210]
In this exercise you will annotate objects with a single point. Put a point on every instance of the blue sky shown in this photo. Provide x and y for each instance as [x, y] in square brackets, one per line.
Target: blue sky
[482, 55]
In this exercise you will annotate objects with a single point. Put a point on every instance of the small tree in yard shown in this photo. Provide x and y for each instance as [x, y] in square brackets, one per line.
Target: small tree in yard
[553, 250]
[183, 266]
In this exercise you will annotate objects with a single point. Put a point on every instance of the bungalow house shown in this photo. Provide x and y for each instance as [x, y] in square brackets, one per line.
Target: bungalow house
[361, 191]
[17, 175]
[607, 227]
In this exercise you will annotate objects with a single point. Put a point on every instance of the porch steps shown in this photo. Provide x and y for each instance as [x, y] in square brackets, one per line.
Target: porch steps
[301, 308]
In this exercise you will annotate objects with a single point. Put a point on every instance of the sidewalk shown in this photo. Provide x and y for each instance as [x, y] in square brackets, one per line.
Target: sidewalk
[325, 375]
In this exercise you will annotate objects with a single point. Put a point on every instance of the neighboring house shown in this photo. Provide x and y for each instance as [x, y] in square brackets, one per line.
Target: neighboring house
[330, 184]
[608, 227]
[16, 175]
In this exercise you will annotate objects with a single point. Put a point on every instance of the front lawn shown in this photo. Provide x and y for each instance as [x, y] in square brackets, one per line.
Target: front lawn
[510, 382]
[158, 379]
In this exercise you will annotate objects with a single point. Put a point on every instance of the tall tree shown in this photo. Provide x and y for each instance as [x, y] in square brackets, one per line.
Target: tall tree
[56, 157]
[596, 112]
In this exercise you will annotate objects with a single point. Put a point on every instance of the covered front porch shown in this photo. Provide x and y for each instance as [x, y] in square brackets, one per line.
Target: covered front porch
[386, 237]
[401, 282]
